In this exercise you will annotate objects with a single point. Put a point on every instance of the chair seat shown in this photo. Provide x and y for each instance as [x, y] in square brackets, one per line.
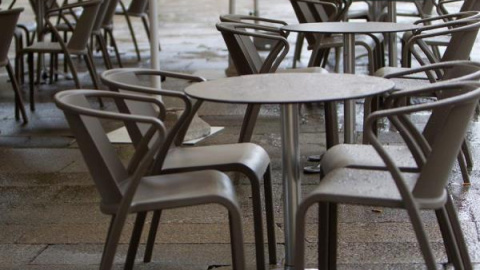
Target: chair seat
[365, 156]
[247, 157]
[415, 80]
[365, 187]
[178, 190]
[49, 47]
[43, 47]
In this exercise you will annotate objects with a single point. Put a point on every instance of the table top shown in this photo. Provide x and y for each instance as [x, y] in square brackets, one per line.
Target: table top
[350, 27]
[281, 88]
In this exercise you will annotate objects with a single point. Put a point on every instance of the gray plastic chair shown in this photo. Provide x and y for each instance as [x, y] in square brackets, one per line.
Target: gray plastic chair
[78, 44]
[364, 156]
[245, 56]
[315, 11]
[460, 28]
[8, 20]
[136, 8]
[246, 158]
[414, 77]
[128, 189]
[96, 31]
[422, 190]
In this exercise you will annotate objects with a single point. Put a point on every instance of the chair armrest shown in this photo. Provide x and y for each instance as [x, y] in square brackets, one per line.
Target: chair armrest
[71, 6]
[235, 18]
[440, 66]
[448, 17]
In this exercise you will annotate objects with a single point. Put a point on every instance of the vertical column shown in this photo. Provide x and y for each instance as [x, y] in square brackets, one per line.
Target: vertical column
[392, 37]
[349, 105]
[154, 55]
[291, 176]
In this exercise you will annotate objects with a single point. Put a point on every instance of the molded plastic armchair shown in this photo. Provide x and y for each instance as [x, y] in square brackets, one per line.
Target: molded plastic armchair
[136, 8]
[78, 44]
[239, 40]
[412, 191]
[8, 20]
[415, 77]
[246, 158]
[128, 189]
[461, 28]
[315, 11]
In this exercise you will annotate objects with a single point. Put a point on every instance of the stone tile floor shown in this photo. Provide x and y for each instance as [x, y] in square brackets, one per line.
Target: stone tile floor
[49, 215]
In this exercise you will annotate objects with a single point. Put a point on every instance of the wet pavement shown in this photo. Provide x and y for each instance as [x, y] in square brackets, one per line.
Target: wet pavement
[49, 209]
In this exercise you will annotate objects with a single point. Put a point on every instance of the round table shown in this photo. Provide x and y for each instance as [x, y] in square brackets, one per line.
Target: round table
[288, 90]
[348, 30]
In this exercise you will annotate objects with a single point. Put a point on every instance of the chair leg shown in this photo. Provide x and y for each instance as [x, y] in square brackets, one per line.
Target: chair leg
[270, 215]
[331, 124]
[258, 223]
[236, 239]
[73, 70]
[115, 47]
[31, 78]
[18, 96]
[103, 48]
[52, 68]
[422, 239]
[132, 33]
[468, 155]
[300, 236]
[249, 121]
[463, 168]
[114, 232]
[91, 69]
[451, 248]
[298, 49]
[458, 233]
[332, 235]
[152, 234]
[135, 240]
[147, 30]
[323, 235]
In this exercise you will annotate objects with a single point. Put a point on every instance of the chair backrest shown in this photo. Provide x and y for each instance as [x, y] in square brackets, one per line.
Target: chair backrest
[110, 12]
[138, 7]
[441, 152]
[462, 31]
[243, 52]
[470, 5]
[462, 40]
[106, 168]
[102, 11]
[83, 29]
[315, 11]
[84, 26]
[137, 81]
[8, 20]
